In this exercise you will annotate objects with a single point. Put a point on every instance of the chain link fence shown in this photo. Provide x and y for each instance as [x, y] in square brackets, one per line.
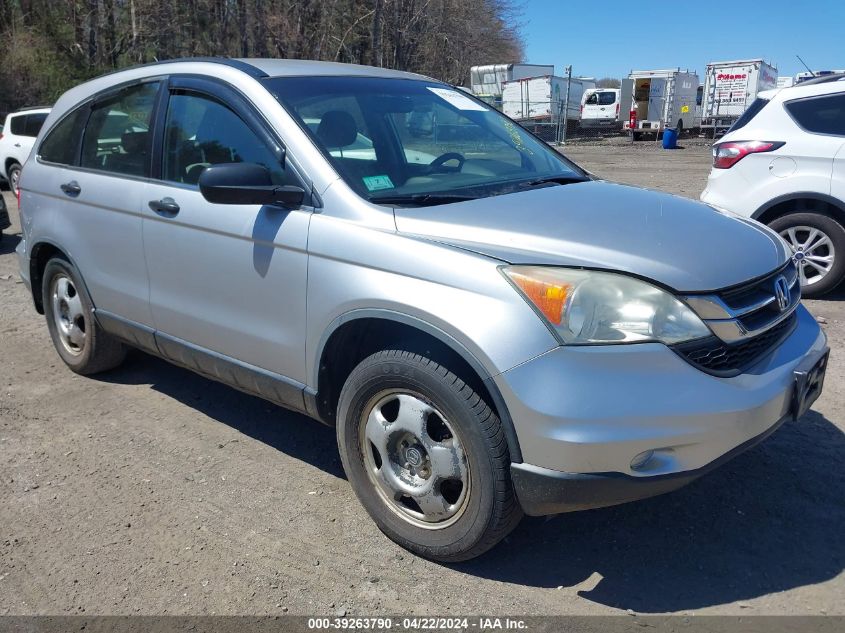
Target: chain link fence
[563, 109]
[567, 109]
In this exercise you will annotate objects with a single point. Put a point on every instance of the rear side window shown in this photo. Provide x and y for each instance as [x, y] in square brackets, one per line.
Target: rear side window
[117, 137]
[752, 111]
[820, 115]
[27, 124]
[63, 140]
[33, 124]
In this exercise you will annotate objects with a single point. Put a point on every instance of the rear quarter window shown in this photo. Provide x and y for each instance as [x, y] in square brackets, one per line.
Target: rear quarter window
[17, 124]
[62, 142]
[820, 115]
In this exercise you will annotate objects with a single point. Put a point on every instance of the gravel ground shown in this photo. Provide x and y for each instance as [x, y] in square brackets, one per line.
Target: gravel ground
[152, 490]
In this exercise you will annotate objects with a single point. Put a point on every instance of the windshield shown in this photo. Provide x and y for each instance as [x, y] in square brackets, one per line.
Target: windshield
[420, 142]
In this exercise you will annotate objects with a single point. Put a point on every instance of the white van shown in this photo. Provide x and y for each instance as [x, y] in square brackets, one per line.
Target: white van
[600, 108]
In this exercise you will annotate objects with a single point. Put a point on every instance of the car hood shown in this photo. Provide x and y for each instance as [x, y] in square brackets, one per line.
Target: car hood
[683, 244]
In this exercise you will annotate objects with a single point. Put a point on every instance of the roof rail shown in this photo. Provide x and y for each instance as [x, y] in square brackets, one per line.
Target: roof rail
[28, 108]
[249, 69]
[821, 80]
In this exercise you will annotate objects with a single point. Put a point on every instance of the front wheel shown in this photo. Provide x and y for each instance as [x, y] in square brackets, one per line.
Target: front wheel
[426, 457]
[818, 249]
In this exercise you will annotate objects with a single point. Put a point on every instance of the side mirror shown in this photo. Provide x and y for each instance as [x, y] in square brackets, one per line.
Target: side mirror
[246, 183]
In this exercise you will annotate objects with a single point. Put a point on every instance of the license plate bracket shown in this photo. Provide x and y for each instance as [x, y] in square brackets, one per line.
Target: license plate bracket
[808, 381]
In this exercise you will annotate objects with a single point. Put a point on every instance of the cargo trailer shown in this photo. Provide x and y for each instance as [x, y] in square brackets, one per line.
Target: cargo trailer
[487, 82]
[543, 99]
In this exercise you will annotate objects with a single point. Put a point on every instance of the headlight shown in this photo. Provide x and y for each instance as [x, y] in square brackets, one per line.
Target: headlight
[585, 306]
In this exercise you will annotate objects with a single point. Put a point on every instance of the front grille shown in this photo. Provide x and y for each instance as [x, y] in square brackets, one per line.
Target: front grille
[721, 359]
[739, 299]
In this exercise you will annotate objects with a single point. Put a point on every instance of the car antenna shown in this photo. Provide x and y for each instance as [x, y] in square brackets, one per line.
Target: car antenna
[805, 65]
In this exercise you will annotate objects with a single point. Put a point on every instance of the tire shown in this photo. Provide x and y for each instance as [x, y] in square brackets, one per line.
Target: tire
[14, 173]
[80, 341]
[468, 519]
[797, 228]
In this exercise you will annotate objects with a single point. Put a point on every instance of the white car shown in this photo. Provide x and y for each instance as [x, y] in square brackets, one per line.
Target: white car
[783, 163]
[16, 141]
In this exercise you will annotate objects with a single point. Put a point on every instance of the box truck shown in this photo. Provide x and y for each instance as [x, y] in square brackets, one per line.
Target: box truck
[730, 87]
[486, 82]
[804, 76]
[543, 99]
[659, 99]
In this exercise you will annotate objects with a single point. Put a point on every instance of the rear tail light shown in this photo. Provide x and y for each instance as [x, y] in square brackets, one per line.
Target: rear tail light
[617, 110]
[726, 155]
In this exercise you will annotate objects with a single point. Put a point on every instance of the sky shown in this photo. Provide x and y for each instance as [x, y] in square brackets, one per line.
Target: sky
[609, 38]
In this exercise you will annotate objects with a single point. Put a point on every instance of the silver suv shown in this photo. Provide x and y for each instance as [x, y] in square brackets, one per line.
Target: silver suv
[491, 330]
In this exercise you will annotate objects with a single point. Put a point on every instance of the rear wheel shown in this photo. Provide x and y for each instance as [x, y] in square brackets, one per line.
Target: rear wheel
[14, 173]
[81, 343]
[818, 248]
[426, 457]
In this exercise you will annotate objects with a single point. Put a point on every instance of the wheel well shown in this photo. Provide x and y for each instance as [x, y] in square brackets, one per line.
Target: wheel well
[803, 205]
[40, 255]
[9, 163]
[353, 341]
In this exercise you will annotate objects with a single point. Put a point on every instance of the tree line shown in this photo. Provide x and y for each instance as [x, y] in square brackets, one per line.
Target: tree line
[47, 46]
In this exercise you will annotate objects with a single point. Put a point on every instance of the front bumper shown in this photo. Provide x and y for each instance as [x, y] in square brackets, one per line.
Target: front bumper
[583, 414]
[600, 123]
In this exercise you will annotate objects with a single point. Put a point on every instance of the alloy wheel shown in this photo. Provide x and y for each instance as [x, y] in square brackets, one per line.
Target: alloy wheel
[812, 251]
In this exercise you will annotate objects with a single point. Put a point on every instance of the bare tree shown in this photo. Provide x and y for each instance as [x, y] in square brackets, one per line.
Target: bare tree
[59, 44]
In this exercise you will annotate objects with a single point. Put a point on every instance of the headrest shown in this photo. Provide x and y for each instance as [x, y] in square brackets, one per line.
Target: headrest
[134, 142]
[337, 129]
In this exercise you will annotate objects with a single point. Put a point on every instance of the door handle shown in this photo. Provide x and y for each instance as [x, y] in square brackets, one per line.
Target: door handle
[71, 188]
[17, 144]
[165, 206]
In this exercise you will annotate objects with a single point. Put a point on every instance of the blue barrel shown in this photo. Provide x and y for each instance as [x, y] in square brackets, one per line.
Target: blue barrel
[670, 138]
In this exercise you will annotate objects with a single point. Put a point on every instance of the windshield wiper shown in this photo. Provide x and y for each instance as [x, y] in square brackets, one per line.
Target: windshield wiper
[553, 180]
[422, 199]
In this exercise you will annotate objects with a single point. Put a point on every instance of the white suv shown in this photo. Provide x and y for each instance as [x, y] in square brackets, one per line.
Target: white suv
[16, 141]
[783, 163]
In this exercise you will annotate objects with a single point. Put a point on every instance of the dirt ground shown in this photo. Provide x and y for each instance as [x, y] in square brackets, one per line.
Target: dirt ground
[152, 490]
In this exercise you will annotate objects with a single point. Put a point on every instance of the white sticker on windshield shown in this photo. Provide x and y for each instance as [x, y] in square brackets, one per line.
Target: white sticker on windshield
[455, 98]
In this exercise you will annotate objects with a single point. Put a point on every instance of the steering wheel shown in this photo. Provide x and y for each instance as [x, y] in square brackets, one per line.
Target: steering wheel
[438, 164]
